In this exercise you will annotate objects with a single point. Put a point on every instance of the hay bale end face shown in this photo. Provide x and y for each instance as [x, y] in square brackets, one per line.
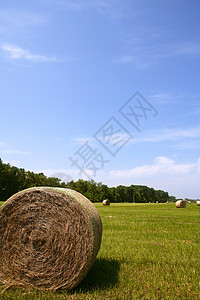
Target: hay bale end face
[106, 202]
[198, 203]
[181, 204]
[49, 238]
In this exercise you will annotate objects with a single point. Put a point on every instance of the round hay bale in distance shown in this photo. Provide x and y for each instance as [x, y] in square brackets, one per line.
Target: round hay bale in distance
[106, 202]
[49, 238]
[181, 204]
[198, 203]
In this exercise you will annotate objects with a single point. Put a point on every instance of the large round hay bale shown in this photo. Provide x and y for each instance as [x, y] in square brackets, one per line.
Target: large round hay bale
[106, 202]
[180, 204]
[198, 203]
[49, 238]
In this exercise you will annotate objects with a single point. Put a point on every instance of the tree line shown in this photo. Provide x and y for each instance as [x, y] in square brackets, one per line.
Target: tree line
[13, 180]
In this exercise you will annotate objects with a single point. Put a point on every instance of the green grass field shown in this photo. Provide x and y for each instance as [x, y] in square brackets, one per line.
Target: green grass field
[148, 251]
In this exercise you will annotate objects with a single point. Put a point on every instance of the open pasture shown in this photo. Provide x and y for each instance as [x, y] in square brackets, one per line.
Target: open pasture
[148, 251]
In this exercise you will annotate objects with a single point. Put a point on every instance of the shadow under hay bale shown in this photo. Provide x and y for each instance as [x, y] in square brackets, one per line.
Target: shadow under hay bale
[106, 202]
[181, 204]
[103, 274]
[49, 238]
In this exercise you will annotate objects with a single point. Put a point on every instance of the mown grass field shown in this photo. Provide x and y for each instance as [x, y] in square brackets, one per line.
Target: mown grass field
[148, 251]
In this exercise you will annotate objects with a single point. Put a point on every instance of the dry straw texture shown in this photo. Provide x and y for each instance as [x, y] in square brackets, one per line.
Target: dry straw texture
[106, 202]
[180, 204]
[49, 238]
[198, 203]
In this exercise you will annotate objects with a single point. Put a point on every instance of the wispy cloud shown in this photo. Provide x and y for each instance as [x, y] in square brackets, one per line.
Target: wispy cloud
[5, 148]
[113, 9]
[191, 145]
[110, 138]
[13, 151]
[16, 53]
[162, 98]
[183, 48]
[169, 135]
[138, 59]
[15, 21]
[147, 46]
[15, 163]
[83, 140]
[66, 4]
[3, 145]
[64, 174]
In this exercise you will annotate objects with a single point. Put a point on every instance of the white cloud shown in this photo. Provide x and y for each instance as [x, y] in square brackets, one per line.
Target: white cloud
[178, 179]
[198, 165]
[15, 53]
[161, 165]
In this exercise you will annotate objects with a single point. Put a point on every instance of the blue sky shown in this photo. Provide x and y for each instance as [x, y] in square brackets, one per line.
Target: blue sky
[70, 68]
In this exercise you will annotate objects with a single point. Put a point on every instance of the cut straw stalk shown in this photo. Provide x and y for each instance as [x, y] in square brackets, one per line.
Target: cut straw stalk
[49, 238]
